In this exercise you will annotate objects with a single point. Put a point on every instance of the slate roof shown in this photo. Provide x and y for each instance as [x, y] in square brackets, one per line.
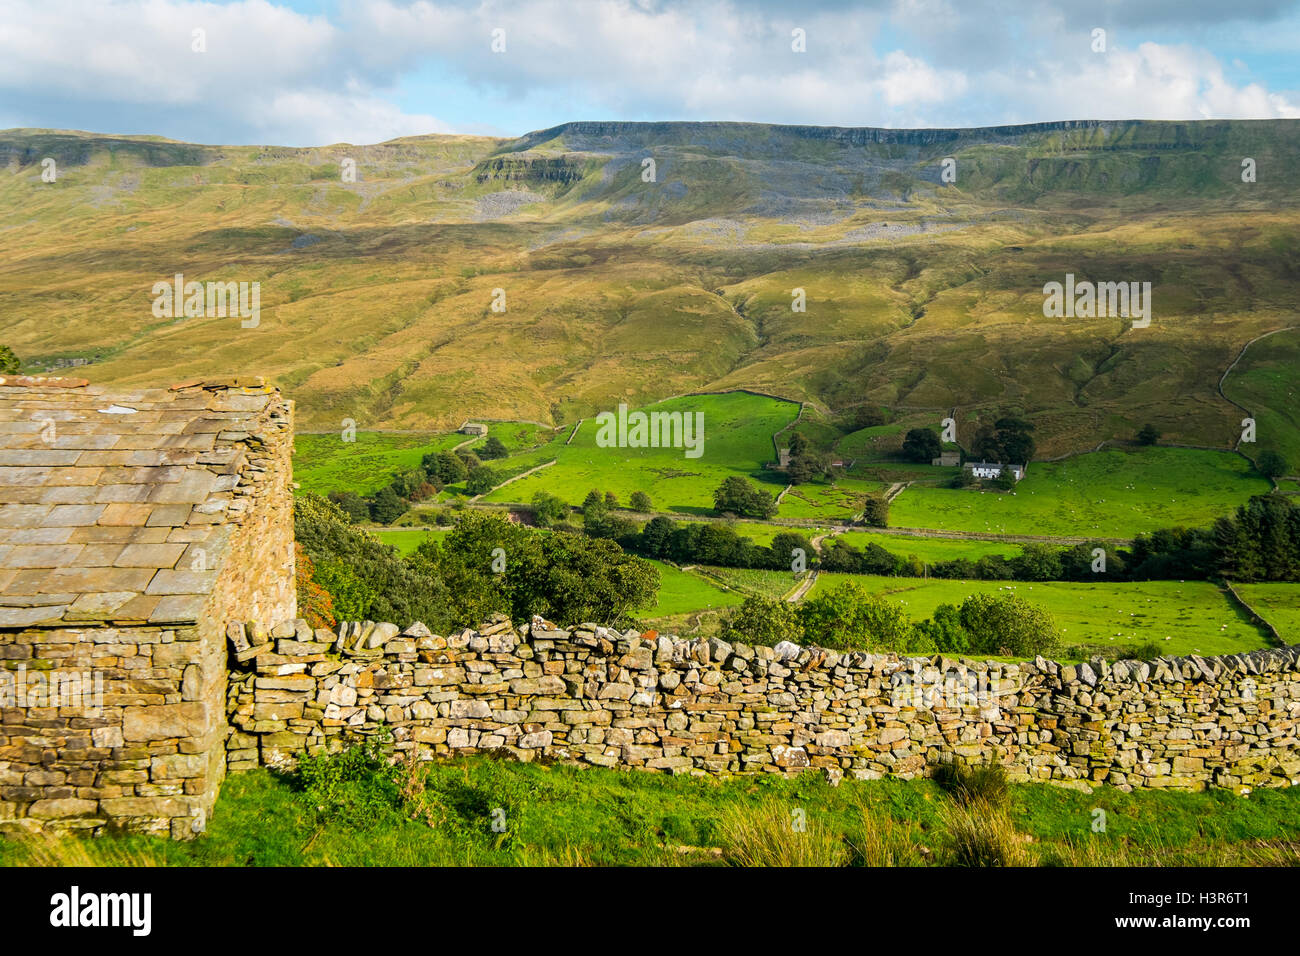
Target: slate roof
[116, 504]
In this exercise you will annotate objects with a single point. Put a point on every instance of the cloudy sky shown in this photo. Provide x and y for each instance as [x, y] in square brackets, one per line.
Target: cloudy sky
[299, 73]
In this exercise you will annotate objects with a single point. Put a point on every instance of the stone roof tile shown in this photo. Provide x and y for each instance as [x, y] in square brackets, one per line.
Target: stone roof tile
[112, 499]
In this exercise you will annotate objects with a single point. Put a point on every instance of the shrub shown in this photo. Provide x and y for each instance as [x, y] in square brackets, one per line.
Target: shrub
[315, 603]
[849, 618]
[355, 788]
[763, 621]
[1008, 625]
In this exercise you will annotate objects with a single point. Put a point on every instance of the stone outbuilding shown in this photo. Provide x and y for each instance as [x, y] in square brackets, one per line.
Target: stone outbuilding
[134, 523]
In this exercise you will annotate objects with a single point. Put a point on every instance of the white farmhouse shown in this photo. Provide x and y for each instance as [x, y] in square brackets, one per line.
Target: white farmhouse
[988, 469]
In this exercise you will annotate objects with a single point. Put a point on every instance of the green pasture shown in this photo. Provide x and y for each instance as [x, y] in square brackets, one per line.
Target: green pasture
[738, 429]
[406, 540]
[1108, 494]
[929, 550]
[683, 592]
[1192, 617]
[1276, 602]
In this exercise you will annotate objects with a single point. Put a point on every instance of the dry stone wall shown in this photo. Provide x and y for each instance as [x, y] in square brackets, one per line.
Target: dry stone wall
[613, 699]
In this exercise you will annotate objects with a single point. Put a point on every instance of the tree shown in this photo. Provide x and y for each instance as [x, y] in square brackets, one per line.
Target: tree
[445, 467]
[492, 448]
[1014, 436]
[1037, 562]
[784, 546]
[481, 480]
[656, 536]
[352, 504]
[806, 463]
[922, 445]
[594, 499]
[849, 618]
[767, 621]
[387, 506]
[640, 501]
[9, 362]
[875, 511]
[1008, 625]
[1271, 464]
[548, 509]
[1006, 440]
[1148, 434]
[868, 416]
[740, 497]
[611, 500]
[367, 579]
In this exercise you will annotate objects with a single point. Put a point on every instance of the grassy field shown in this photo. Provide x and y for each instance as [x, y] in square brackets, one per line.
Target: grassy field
[929, 550]
[562, 815]
[1267, 381]
[768, 584]
[406, 540]
[681, 592]
[1192, 617]
[738, 431]
[839, 501]
[1108, 494]
[323, 462]
[1278, 603]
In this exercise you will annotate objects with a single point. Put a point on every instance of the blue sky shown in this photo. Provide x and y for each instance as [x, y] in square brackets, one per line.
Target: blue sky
[303, 73]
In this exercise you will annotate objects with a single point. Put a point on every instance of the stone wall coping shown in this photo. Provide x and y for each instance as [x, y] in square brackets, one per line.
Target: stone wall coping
[369, 641]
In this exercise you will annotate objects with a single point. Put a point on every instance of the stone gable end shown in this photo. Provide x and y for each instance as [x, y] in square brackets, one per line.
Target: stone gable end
[133, 524]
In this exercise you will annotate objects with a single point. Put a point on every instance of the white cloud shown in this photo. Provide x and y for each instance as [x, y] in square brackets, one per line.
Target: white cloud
[271, 74]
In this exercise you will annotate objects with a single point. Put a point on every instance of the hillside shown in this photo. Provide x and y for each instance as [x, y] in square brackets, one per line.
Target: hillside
[922, 296]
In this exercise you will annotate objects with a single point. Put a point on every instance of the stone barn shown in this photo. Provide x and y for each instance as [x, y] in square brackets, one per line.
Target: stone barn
[133, 525]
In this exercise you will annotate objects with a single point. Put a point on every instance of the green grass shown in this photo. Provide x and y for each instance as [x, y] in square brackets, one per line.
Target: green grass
[563, 815]
[827, 502]
[682, 592]
[406, 540]
[768, 584]
[1278, 603]
[1267, 381]
[1190, 614]
[929, 550]
[738, 431]
[324, 462]
[1107, 494]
